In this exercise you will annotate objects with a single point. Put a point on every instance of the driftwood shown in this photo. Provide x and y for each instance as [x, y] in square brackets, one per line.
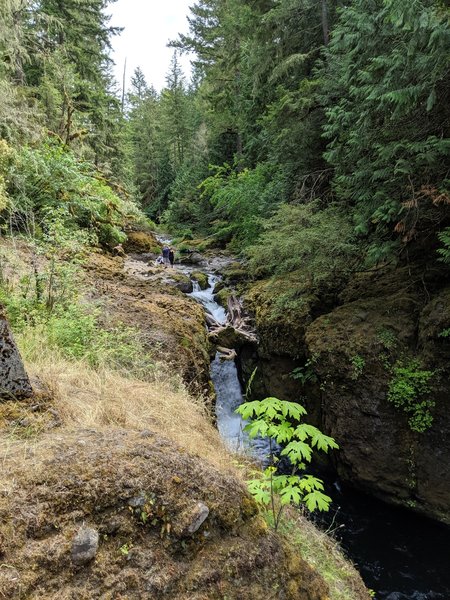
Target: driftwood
[226, 353]
[237, 318]
[236, 331]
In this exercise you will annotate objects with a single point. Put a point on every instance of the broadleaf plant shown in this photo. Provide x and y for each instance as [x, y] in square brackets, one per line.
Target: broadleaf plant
[279, 420]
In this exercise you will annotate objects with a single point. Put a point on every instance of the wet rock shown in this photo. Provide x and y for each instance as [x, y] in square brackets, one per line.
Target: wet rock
[14, 382]
[201, 278]
[222, 297]
[85, 545]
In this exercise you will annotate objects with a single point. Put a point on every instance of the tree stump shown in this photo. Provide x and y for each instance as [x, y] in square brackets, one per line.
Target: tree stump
[14, 382]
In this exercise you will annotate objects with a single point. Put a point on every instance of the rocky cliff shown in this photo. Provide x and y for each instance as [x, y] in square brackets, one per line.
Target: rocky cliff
[383, 336]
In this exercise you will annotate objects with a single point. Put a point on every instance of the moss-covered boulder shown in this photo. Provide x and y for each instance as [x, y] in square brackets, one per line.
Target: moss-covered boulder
[176, 279]
[141, 241]
[201, 278]
[222, 296]
[234, 272]
[128, 497]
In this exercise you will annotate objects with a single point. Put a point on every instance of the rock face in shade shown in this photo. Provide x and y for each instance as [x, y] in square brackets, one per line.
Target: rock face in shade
[337, 352]
[14, 382]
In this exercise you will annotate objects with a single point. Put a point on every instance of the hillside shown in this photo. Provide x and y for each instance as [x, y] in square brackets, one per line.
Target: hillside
[120, 487]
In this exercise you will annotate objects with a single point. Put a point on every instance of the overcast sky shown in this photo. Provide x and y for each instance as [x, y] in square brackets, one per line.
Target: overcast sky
[149, 25]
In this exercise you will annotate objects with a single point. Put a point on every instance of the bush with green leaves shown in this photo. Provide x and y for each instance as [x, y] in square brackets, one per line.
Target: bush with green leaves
[241, 199]
[320, 243]
[49, 182]
[280, 421]
[409, 390]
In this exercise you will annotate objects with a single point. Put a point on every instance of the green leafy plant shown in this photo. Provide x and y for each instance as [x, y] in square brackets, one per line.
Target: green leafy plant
[409, 390]
[358, 364]
[306, 373]
[445, 333]
[387, 338]
[125, 549]
[276, 419]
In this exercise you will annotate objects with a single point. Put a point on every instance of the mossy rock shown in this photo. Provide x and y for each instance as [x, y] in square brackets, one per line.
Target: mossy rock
[222, 297]
[235, 272]
[112, 480]
[201, 278]
[141, 242]
[189, 257]
[219, 286]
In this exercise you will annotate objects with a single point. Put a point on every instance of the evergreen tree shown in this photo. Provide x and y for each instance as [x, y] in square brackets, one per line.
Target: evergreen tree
[387, 109]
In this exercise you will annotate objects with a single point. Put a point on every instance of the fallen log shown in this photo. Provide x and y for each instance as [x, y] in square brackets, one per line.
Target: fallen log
[226, 353]
[230, 337]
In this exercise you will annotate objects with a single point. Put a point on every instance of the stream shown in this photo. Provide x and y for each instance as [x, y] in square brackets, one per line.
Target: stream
[400, 555]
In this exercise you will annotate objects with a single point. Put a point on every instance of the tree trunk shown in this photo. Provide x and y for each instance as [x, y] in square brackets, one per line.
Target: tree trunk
[326, 37]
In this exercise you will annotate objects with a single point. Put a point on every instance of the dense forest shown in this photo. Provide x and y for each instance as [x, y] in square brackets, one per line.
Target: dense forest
[328, 115]
[308, 151]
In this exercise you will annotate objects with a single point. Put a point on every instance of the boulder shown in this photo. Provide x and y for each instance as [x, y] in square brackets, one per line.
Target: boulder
[141, 242]
[190, 258]
[201, 278]
[190, 520]
[14, 382]
[85, 545]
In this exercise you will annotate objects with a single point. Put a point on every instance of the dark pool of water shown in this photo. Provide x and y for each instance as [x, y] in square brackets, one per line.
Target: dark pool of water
[400, 555]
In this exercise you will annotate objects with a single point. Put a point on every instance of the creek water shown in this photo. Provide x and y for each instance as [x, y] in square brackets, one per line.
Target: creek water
[400, 556]
[224, 377]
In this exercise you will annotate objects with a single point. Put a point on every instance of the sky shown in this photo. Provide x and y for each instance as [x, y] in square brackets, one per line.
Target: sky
[149, 25]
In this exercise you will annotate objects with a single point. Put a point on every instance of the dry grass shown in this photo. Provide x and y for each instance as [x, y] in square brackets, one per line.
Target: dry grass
[84, 397]
[324, 555]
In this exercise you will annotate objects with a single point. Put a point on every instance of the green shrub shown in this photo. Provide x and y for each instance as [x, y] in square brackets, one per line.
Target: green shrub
[241, 199]
[274, 419]
[49, 181]
[358, 364]
[408, 390]
[320, 243]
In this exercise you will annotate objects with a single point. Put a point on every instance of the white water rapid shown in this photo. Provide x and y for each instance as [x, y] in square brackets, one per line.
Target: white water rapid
[224, 377]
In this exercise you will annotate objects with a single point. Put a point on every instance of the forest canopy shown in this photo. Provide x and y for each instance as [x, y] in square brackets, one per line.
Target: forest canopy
[337, 110]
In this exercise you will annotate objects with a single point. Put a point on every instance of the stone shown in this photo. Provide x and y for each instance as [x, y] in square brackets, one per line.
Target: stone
[192, 258]
[199, 516]
[201, 278]
[137, 501]
[14, 382]
[85, 545]
[190, 520]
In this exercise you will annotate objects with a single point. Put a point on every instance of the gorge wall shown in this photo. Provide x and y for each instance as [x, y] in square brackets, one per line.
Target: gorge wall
[341, 351]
